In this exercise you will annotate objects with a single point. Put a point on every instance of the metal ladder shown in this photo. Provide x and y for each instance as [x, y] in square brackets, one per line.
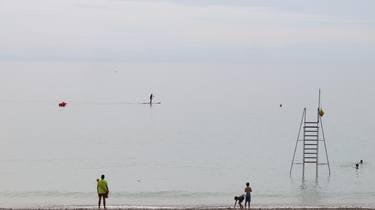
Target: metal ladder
[310, 144]
[312, 135]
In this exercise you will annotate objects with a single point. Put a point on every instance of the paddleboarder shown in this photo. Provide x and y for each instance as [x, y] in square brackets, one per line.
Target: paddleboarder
[151, 97]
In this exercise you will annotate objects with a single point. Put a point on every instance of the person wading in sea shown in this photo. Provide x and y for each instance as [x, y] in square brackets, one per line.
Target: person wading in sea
[103, 190]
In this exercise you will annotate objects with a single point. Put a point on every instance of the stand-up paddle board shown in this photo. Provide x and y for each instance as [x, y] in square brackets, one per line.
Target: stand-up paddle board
[159, 102]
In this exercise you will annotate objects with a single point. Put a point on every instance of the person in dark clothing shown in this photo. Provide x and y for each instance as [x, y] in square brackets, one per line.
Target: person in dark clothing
[248, 191]
[151, 97]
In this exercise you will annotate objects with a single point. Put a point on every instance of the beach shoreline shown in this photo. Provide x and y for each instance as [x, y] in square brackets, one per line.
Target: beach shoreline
[199, 208]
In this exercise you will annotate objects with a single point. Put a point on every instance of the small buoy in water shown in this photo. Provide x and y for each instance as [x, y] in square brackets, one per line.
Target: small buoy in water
[62, 104]
[356, 166]
[281, 105]
[361, 162]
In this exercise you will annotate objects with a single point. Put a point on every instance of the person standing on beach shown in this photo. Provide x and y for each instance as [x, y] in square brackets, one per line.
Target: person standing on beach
[103, 190]
[248, 191]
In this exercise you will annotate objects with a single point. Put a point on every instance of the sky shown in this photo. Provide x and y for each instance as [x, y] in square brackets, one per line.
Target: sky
[181, 31]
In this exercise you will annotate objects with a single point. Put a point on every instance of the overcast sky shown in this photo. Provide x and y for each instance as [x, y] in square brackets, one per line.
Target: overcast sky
[229, 31]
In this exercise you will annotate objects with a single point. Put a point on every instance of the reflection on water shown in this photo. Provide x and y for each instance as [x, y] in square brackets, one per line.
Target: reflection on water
[310, 193]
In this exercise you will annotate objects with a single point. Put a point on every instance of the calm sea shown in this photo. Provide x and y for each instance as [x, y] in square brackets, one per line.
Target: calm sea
[218, 126]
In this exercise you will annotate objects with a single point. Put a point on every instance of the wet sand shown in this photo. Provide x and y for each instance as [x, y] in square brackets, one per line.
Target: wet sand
[224, 208]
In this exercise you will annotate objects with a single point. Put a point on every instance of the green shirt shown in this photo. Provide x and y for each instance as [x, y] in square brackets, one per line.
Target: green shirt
[102, 186]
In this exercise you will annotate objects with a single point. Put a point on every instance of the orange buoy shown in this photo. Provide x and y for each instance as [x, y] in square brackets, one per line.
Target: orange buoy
[62, 104]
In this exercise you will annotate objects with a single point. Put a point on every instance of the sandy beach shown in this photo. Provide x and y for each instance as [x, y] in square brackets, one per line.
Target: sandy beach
[166, 208]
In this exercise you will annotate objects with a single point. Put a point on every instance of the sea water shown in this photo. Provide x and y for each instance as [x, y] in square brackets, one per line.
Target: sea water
[218, 126]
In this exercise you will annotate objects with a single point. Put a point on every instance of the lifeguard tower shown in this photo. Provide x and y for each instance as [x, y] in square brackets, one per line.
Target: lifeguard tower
[311, 136]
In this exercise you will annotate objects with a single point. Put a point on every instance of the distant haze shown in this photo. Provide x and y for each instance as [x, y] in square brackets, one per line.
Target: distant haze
[187, 31]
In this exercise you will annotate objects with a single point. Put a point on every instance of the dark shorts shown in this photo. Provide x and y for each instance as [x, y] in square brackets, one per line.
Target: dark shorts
[248, 198]
[104, 195]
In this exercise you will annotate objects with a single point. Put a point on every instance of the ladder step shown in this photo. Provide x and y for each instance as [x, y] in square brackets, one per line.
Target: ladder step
[310, 140]
[307, 122]
[311, 135]
[310, 148]
[308, 126]
[314, 158]
[310, 161]
[311, 131]
[311, 144]
[310, 153]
